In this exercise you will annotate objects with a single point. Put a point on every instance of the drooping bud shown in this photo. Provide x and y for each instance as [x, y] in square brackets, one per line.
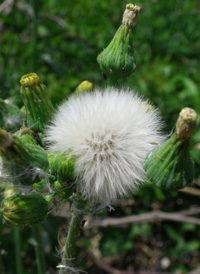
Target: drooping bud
[36, 100]
[84, 87]
[23, 161]
[23, 210]
[117, 60]
[170, 166]
[10, 116]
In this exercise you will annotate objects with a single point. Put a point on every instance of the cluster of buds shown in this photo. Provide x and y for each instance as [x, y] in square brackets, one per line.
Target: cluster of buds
[26, 161]
[26, 164]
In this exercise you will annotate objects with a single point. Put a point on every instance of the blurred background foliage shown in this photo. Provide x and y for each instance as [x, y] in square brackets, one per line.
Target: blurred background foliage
[60, 41]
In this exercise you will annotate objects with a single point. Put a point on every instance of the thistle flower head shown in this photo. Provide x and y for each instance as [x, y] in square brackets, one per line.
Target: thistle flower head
[109, 134]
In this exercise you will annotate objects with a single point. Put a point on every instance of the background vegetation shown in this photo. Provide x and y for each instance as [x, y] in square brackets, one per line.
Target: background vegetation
[60, 40]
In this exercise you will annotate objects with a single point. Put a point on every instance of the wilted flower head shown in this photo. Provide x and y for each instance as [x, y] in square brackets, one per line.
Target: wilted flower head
[110, 134]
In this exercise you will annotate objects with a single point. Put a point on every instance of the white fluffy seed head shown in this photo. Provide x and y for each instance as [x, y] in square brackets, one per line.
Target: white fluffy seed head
[110, 134]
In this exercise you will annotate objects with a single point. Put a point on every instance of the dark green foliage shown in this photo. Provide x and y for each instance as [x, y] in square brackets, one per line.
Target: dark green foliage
[119, 240]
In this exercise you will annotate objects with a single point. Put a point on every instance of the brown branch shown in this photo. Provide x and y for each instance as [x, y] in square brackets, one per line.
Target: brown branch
[109, 269]
[151, 217]
[112, 270]
[60, 21]
[197, 271]
[191, 191]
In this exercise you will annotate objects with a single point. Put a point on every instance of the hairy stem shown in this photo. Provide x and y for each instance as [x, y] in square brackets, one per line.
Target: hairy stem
[70, 244]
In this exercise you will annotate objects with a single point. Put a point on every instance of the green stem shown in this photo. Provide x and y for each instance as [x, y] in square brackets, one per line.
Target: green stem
[41, 267]
[70, 244]
[33, 64]
[18, 254]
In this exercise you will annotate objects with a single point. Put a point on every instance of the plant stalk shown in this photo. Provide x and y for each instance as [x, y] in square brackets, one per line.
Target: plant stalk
[18, 254]
[70, 244]
[41, 267]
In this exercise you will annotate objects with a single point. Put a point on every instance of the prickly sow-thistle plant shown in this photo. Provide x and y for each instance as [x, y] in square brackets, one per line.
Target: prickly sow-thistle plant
[100, 145]
[109, 133]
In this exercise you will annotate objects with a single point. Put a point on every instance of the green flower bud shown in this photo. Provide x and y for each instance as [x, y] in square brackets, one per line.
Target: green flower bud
[84, 87]
[170, 166]
[117, 60]
[62, 167]
[36, 100]
[62, 190]
[23, 210]
[21, 159]
[10, 116]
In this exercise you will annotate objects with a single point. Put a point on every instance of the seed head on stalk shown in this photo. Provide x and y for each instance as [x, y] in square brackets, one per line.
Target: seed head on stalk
[109, 134]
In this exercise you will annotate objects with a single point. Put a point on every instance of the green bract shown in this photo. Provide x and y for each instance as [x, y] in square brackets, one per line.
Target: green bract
[62, 167]
[22, 210]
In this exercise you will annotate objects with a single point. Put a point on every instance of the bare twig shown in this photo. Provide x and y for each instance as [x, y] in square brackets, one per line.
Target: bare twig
[151, 217]
[197, 271]
[109, 269]
[191, 191]
[60, 21]
[6, 6]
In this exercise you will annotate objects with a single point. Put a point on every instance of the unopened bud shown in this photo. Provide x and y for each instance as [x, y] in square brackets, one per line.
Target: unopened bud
[23, 210]
[84, 86]
[117, 60]
[36, 100]
[62, 167]
[170, 166]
